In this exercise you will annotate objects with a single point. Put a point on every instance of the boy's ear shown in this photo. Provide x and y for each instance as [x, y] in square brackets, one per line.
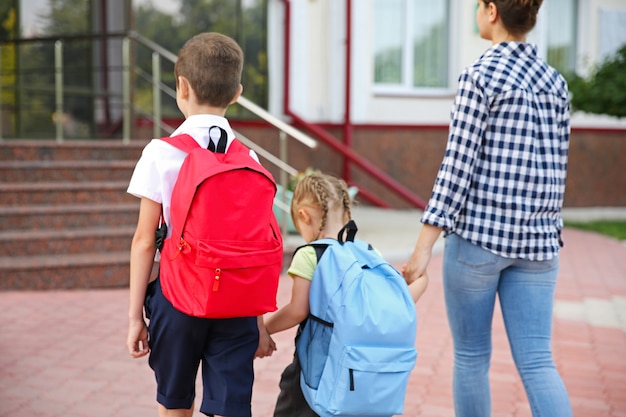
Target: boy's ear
[237, 94]
[182, 84]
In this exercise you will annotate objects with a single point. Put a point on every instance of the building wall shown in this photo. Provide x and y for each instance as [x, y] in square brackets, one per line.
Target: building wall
[317, 79]
[411, 155]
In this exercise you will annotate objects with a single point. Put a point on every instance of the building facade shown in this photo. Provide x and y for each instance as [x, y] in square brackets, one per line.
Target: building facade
[381, 75]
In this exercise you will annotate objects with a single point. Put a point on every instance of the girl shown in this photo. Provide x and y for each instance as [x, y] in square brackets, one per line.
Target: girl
[320, 208]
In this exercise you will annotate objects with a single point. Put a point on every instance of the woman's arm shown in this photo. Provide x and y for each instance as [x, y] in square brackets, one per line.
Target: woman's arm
[414, 270]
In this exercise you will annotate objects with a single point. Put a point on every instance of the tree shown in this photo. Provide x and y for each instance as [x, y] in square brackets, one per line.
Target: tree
[246, 24]
[604, 92]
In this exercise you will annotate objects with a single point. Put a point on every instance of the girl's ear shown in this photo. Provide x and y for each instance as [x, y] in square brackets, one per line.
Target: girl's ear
[304, 216]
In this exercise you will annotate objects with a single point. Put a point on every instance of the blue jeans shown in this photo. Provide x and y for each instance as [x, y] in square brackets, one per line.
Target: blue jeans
[472, 276]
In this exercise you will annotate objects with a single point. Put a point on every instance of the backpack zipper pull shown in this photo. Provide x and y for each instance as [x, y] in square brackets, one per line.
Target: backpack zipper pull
[183, 246]
[216, 283]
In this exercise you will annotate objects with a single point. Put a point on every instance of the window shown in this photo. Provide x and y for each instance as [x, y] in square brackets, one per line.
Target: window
[411, 44]
[561, 34]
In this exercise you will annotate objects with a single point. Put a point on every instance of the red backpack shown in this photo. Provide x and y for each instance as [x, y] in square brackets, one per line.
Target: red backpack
[224, 256]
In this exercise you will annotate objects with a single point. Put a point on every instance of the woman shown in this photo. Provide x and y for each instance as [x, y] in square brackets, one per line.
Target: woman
[498, 198]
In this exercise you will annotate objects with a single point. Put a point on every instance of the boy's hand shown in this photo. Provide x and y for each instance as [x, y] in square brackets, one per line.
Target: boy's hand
[137, 340]
[267, 346]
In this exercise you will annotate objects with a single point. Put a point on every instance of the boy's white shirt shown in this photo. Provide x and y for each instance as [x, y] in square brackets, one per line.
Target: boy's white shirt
[157, 169]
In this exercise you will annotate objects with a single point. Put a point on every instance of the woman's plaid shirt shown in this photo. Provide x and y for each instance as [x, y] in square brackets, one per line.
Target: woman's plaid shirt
[502, 179]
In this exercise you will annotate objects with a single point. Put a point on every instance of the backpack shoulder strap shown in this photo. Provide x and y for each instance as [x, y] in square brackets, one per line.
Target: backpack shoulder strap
[349, 229]
[183, 142]
[318, 247]
[237, 146]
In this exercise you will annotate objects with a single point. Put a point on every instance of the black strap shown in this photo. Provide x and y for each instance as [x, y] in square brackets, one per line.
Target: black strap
[350, 230]
[221, 144]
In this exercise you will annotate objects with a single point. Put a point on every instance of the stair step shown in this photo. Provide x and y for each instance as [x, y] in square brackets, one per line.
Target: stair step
[64, 192]
[59, 171]
[68, 216]
[66, 220]
[68, 241]
[80, 150]
[45, 272]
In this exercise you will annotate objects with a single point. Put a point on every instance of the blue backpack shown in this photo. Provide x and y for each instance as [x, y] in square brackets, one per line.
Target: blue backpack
[357, 347]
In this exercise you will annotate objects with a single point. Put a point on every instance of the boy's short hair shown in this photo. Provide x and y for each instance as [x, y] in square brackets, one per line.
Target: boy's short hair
[212, 63]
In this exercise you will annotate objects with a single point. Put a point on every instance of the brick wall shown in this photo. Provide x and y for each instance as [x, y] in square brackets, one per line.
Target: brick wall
[411, 155]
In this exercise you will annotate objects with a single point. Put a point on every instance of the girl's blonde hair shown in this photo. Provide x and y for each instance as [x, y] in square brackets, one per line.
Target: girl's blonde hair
[323, 192]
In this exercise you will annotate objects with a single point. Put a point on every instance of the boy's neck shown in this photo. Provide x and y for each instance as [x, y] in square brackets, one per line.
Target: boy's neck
[203, 109]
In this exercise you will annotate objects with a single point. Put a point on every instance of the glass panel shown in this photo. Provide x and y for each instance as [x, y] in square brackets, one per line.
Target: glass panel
[612, 33]
[430, 43]
[561, 30]
[243, 20]
[388, 41]
[8, 64]
[60, 17]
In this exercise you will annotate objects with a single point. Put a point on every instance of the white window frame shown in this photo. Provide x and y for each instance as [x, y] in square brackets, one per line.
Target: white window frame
[406, 87]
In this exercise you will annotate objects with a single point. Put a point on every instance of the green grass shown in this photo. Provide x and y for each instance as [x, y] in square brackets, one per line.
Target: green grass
[612, 228]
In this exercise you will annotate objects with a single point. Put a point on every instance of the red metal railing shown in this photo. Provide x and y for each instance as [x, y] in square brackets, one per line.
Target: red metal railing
[344, 148]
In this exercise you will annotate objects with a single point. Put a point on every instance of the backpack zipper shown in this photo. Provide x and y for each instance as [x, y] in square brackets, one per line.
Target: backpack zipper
[216, 283]
[183, 246]
[351, 371]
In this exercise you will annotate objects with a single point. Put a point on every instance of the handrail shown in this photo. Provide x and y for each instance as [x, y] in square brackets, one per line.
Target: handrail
[153, 46]
[363, 163]
[135, 36]
[343, 148]
[288, 129]
[285, 128]
[128, 106]
[242, 101]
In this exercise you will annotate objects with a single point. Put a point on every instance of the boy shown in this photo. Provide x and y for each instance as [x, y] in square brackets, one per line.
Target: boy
[208, 76]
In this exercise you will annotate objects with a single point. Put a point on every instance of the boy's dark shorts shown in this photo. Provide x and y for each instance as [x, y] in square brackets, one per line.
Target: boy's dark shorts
[179, 343]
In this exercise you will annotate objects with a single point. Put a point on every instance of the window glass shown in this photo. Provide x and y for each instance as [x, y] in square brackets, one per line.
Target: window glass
[62, 17]
[411, 43]
[561, 34]
[389, 41]
[430, 43]
[612, 33]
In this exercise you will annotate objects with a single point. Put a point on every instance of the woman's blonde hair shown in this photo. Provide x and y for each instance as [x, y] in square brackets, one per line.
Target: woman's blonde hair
[323, 192]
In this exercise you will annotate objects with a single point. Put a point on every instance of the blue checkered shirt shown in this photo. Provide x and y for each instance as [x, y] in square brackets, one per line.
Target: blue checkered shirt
[502, 179]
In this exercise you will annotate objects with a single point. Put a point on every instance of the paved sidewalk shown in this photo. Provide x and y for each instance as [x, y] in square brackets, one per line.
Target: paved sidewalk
[63, 354]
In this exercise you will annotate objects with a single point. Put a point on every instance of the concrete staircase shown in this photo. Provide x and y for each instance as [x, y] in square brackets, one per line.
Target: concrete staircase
[66, 220]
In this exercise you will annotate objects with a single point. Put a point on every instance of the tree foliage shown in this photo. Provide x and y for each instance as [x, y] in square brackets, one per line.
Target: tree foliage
[8, 30]
[604, 92]
[245, 24]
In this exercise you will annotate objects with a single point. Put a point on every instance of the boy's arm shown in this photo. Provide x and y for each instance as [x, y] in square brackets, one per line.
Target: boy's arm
[267, 346]
[142, 253]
